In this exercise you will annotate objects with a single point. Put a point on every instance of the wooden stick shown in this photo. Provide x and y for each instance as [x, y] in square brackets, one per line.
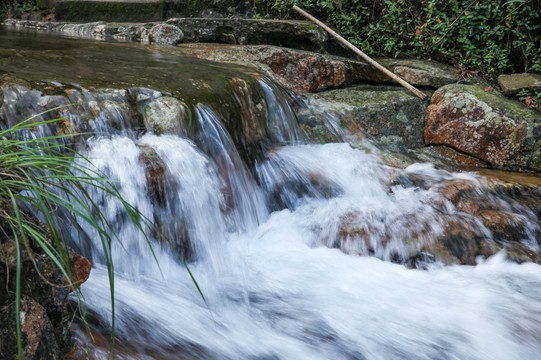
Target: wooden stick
[393, 76]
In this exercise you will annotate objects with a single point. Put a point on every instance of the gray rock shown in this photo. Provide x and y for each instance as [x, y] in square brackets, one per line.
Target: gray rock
[166, 115]
[387, 113]
[514, 83]
[420, 72]
[165, 34]
[486, 125]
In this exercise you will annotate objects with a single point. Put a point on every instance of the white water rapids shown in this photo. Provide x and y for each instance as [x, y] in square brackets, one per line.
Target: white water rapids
[275, 286]
[302, 251]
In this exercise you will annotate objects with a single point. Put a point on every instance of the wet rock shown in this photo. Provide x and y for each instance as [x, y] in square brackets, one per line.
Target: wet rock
[514, 83]
[165, 34]
[166, 115]
[421, 72]
[252, 113]
[388, 114]
[300, 71]
[38, 336]
[485, 125]
[155, 174]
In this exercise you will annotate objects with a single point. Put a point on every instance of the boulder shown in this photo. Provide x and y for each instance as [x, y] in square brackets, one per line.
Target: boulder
[165, 34]
[486, 125]
[38, 335]
[514, 83]
[166, 115]
[421, 72]
[389, 114]
[300, 71]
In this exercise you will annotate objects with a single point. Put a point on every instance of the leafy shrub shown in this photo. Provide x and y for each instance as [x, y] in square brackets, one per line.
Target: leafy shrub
[492, 36]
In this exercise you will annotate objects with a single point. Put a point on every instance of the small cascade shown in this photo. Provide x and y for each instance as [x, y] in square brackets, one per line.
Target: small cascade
[304, 246]
[243, 199]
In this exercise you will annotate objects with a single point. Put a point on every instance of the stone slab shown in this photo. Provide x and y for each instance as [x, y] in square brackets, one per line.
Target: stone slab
[515, 83]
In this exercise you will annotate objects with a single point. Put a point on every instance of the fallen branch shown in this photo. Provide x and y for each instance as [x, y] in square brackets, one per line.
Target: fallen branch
[393, 76]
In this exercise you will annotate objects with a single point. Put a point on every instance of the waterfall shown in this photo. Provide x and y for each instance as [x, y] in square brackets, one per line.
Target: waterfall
[276, 250]
[302, 250]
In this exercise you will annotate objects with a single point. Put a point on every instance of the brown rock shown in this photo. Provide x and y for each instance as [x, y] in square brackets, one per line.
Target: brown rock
[504, 225]
[38, 337]
[485, 125]
[81, 268]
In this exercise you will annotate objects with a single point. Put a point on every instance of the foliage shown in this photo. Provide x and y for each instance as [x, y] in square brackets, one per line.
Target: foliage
[17, 5]
[40, 175]
[491, 36]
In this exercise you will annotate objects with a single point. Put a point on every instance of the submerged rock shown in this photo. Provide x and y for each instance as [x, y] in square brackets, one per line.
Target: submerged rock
[486, 125]
[473, 222]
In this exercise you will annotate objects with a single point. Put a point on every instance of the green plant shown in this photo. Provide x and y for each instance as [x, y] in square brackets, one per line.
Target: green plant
[40, 174]
[19, 5]
[491, 36]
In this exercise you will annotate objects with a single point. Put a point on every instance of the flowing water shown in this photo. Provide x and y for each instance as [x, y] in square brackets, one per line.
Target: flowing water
[266, 242]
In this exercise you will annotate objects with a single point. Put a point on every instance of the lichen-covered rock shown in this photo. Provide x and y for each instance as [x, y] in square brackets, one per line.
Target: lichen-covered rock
[420, 72]
[388, 114]
[38, 335]
[300, 71]
[165, 34]
[486, 125]
[514, 83]
[166, 115]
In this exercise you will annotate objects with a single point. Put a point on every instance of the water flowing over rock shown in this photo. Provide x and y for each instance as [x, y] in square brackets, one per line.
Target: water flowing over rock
[486, 125]
[327, 250]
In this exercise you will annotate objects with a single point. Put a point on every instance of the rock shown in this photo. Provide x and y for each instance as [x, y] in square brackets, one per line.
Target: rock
[389, 114]
[166, 115]
[165, 34]
[155, 174]
[514, 83]
[300, 71]
[252, 114]
[486, 125]
[421, 72]
[294, 34]
[81, 268]
[38, 336]
[503, 224]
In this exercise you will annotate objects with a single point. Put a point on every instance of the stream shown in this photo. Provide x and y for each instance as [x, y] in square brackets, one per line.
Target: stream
[301, 250]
